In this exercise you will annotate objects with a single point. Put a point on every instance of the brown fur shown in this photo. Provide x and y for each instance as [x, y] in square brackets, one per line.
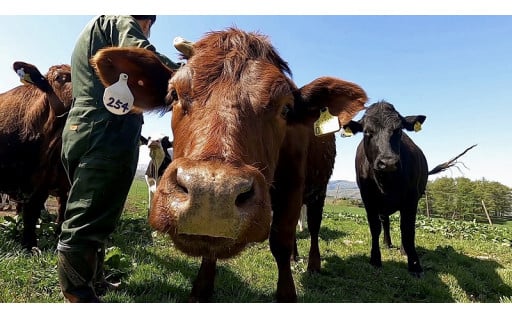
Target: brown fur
[32, 117]
[242, 132]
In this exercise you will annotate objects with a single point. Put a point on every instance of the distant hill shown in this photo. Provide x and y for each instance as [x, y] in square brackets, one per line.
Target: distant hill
[343, 189]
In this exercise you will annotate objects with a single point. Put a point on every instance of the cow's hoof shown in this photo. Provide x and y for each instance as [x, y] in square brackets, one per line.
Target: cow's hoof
[417, 274]
[376, 263]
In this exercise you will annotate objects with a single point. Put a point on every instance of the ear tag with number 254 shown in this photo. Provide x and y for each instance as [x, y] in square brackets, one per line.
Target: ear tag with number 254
[118, 98]
[326, 123]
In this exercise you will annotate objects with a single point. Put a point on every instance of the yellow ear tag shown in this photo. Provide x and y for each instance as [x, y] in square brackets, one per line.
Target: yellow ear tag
[24, 77]
[346, 132]
[417, 126]
[326, 123]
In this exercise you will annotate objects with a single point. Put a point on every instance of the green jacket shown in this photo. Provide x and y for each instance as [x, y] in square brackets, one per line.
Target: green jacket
[103, 31]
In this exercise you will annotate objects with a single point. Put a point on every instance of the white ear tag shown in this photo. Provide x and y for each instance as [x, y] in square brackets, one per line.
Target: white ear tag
[326, 123]
[118, 98]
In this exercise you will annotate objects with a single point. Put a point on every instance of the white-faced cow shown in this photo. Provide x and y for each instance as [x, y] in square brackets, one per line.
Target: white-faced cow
[242, 136]
[160, 149]
[392, 173]
[32, 117]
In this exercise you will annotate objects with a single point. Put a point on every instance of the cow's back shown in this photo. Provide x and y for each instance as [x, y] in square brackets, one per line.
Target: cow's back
[20, 138]
[30, 140]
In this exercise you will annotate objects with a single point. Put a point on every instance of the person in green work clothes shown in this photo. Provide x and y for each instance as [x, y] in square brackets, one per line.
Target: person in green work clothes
[100, 153]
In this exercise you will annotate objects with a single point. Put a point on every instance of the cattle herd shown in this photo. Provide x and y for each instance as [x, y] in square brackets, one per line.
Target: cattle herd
[245, 155]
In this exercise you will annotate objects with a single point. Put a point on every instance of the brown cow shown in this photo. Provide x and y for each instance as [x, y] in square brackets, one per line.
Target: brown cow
[241, 133]
[32, 117]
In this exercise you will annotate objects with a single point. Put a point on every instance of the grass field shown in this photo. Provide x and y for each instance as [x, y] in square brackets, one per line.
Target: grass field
[464, 262]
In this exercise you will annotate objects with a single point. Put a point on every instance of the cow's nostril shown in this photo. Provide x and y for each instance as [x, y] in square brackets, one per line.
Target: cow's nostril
[182, 179]
[244, 197]
[381, 165]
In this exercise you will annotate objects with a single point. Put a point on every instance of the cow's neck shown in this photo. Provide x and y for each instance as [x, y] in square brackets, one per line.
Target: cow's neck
[387, 181]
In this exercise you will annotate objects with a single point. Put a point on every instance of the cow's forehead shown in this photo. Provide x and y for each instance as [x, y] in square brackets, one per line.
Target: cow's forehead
[226, 52]
[59, 70]
[235, 64]
[382, 116]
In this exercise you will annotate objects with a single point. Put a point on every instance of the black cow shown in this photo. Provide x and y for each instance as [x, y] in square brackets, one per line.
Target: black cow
[392, 173]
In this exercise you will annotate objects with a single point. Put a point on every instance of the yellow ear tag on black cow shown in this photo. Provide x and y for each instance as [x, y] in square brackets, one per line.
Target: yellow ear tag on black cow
[326, 123]
[417, 126]
[118, 98]
[346, 132]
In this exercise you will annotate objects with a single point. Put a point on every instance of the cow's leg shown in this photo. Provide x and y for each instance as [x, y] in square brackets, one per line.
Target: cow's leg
[408, 231]
[387, 234]
[202, 289]
[315, 209]
[301, 222]
[150, 193]
[281, 244]
[375, 229]
[31, 211]
[295, 252]
[62, 199]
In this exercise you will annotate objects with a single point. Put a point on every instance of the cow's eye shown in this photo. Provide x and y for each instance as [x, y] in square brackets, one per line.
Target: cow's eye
[63, 78]
[368, 133]
[284, 112]
[173, 95]
[171, 98]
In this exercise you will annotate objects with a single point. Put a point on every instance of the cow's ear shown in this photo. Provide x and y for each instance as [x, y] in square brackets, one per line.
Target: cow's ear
[413, 123]
[30, 75]
[165, 141]
[352, 128]
[344, 99]
[143, 140]
[147, 76]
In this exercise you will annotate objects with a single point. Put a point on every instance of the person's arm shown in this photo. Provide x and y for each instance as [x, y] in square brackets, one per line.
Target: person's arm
[129, 33]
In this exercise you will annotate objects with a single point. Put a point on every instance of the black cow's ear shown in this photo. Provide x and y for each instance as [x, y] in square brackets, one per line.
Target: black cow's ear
[143, 140]
[165, 142]
[353, 127]
[413, 123]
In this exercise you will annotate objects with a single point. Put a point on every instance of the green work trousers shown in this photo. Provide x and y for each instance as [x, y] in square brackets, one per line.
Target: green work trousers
[100, 154]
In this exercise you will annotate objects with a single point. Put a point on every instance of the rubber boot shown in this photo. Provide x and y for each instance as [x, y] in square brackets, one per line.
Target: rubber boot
[101, 285]
[76, 271]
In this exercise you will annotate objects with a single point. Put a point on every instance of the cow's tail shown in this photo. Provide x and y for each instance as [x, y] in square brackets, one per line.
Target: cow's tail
[450, 163]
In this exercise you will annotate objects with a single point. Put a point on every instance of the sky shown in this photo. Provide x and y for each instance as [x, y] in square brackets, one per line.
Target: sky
[451, 64]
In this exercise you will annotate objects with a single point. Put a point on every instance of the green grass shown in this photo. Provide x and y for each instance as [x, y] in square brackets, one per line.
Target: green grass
[463, 261]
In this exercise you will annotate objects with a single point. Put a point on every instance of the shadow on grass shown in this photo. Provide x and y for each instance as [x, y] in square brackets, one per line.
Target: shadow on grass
[168, 278]
[326, 234]
[355, 280]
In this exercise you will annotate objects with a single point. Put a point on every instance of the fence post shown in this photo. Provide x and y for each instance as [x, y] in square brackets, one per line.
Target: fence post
[486, 213]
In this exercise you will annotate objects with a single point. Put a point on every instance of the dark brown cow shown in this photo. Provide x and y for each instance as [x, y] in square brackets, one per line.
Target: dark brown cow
[242, 131]
[32, 117]
[392, 173]
[321, 154]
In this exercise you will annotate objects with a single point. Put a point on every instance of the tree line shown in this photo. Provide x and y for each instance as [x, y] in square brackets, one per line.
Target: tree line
[463, 199]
